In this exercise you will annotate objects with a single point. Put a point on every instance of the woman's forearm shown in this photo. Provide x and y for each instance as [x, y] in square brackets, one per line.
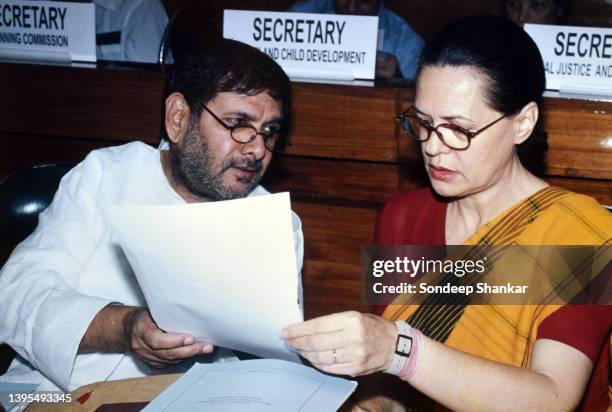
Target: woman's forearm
[350, 343]
[462, 381]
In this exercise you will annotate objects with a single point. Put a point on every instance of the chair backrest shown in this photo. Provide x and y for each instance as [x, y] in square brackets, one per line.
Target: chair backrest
[23, 195]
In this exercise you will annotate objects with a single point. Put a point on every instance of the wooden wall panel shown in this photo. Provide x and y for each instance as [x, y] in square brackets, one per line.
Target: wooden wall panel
[98, 104]
[579, 138]
[601, 190]
[333, 238]
[348, 182]
[344, 122]
[578, 161]
[320, 179]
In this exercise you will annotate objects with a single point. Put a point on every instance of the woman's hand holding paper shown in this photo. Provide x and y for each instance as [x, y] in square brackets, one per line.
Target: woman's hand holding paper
[347, 343]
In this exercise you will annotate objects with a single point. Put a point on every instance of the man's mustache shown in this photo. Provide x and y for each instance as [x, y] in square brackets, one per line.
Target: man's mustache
[245, 163]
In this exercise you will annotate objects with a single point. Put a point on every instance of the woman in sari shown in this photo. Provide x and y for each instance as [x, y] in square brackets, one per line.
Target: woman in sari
[477, 115]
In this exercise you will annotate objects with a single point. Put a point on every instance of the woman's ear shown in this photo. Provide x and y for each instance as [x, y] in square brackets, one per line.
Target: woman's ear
[176, 117]
[525, 121]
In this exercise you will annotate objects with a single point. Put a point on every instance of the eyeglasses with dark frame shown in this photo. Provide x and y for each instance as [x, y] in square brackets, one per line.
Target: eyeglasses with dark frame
[453, 136]
[245, 133]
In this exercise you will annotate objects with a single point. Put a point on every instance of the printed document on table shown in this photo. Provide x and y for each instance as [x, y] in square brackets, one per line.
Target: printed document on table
[254, 385]
[225, 271]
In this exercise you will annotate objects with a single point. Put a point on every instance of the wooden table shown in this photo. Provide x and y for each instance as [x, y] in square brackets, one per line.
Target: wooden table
[121, 395]
[126, 395]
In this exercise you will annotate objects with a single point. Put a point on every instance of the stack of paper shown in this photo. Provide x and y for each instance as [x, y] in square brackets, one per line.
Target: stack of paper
[255, 385]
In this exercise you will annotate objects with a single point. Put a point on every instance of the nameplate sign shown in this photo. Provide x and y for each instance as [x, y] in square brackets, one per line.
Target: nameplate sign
[576, 59]
[325, 46]
[47, 30]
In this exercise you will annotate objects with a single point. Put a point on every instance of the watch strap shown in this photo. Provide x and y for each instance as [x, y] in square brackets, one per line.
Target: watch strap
[403, 348]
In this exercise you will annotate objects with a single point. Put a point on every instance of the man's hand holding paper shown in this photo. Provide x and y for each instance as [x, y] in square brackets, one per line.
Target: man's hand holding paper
[235, 294]
[134, 330]
[158, 348]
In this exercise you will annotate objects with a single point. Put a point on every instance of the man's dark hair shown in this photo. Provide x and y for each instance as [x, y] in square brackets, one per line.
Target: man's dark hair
[200, 73]
[511, 61]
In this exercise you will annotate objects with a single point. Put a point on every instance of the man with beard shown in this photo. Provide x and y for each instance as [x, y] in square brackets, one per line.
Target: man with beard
[70, 305]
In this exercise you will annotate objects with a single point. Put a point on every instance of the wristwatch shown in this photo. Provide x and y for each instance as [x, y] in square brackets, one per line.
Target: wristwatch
[403, 348]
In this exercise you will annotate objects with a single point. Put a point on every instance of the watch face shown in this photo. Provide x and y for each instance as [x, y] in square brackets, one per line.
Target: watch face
[403, 345]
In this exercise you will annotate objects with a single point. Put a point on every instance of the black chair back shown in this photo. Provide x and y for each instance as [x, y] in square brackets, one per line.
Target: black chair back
[23, 195]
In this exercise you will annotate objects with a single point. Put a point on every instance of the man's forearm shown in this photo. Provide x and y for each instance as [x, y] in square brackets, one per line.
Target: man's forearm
[108, 332]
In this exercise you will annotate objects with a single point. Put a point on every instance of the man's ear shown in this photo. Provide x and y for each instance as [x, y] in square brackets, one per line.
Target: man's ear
[176, 117]
[525, 121]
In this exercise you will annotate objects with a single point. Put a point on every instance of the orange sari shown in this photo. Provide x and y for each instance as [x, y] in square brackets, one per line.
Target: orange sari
[506, 333]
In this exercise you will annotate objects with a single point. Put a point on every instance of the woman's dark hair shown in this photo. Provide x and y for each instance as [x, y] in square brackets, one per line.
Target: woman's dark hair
[511, 61]
[199, 74]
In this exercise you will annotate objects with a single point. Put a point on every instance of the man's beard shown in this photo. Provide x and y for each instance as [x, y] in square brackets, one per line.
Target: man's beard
[192, 164]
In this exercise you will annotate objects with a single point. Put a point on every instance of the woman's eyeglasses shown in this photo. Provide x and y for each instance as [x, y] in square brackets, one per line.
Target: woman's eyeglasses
[453, 136]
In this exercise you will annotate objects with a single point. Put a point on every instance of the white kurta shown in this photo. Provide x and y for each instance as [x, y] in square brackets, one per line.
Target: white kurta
[58, 278]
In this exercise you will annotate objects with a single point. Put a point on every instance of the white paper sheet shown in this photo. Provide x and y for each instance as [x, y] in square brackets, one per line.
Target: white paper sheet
[222, 271]
[255, 385]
